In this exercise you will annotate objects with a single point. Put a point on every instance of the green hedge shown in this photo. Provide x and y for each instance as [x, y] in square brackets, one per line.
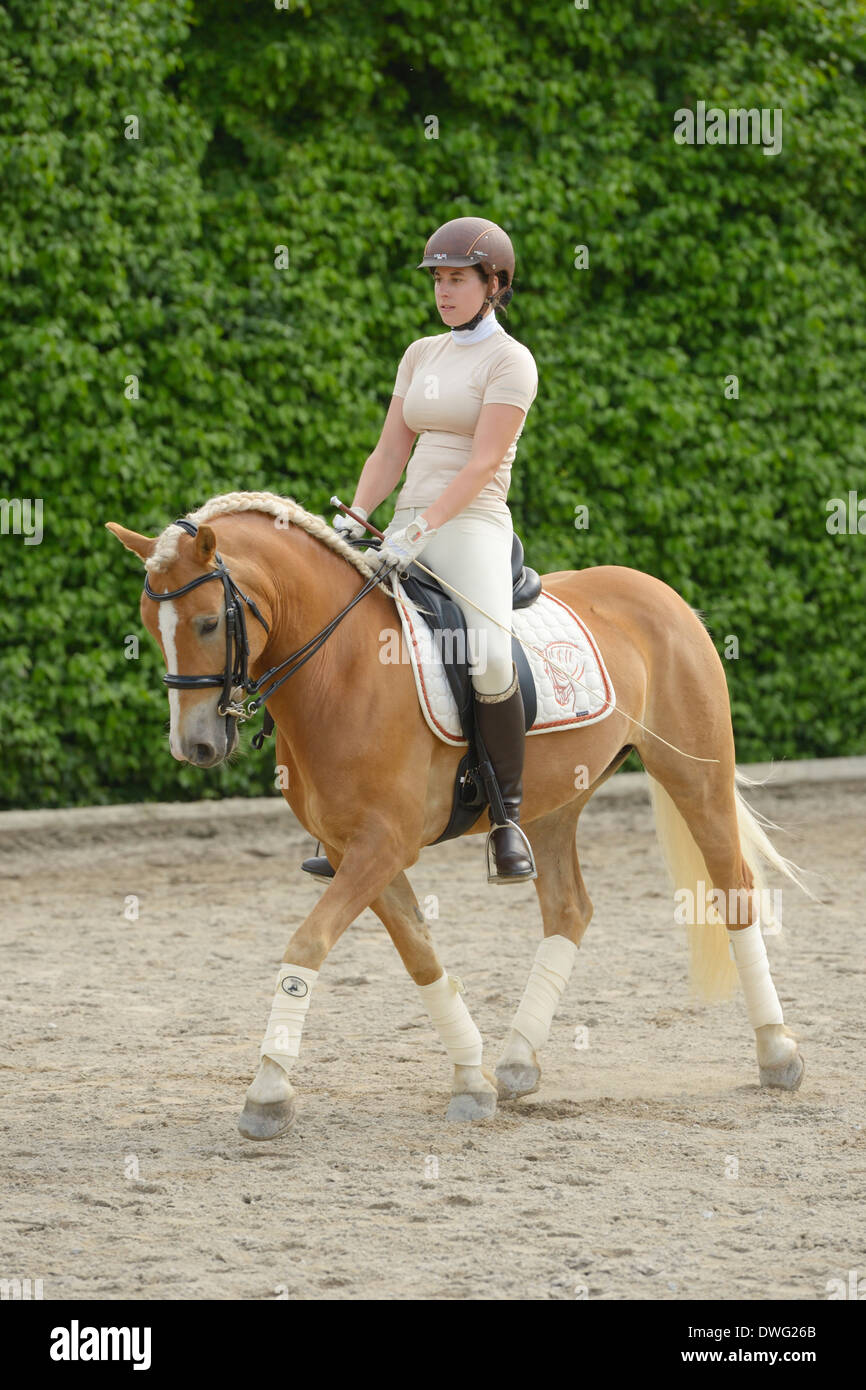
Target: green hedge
[305, 126]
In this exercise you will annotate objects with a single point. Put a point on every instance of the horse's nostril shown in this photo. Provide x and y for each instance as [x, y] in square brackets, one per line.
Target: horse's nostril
[204, 752]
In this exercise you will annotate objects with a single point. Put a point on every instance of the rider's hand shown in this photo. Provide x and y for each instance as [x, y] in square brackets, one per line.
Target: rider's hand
[347, 528]
[404, 546]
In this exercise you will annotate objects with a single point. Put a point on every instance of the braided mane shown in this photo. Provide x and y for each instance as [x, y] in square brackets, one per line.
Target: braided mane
[165, 550]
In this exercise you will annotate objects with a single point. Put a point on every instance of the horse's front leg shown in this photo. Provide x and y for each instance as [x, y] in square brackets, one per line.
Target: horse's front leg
[566, 910]
[473, 1091]
[369, 863]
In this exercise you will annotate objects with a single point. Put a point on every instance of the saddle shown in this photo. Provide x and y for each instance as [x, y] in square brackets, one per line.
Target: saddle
[442, 614]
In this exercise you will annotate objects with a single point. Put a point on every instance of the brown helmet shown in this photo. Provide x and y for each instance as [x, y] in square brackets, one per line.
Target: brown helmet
[474, 241]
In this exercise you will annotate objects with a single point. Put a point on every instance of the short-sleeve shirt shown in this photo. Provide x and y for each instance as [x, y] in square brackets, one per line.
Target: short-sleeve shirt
[444, 386]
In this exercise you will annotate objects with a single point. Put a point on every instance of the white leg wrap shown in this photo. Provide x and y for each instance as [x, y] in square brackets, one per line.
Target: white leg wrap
[750, 955]
[548, 977]
[452, 1021]
[282, 1041]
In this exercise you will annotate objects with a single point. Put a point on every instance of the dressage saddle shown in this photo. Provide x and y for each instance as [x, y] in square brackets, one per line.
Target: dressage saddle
[441, 612]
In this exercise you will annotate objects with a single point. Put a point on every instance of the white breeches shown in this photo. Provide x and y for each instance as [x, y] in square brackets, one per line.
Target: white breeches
[473, 552]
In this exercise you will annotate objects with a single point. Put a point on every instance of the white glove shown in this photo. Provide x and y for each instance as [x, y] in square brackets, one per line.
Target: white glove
[404, 546]
[347, 528]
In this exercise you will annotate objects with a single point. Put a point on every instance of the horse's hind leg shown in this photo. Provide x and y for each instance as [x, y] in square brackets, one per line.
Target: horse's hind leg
[566, 910]
[702, 834]
[473, 1095]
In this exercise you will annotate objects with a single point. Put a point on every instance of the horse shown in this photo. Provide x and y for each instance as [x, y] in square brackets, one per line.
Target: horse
[370, 781]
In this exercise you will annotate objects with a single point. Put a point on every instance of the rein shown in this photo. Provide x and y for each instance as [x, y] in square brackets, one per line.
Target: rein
[235, 674]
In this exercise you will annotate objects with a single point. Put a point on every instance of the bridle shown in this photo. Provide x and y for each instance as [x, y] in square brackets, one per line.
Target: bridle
[235, 674]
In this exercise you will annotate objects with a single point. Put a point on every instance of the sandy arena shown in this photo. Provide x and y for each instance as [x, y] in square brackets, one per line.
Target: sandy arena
[649, 1165]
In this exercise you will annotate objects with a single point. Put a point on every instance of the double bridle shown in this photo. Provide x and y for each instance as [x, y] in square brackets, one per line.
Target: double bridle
[235, 674]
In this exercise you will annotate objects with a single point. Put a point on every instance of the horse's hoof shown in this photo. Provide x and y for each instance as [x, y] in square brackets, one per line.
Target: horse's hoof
[472, 1105]
[516, 1079]
[259, 1121]
[787, 1077]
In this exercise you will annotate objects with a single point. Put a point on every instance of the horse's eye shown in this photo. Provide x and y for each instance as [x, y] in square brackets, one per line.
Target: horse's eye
[209, 624]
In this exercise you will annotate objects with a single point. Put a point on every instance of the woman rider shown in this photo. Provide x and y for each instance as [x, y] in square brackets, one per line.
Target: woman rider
[465, 394]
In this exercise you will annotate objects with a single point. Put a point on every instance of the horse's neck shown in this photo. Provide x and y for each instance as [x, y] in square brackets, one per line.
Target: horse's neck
[306, 586]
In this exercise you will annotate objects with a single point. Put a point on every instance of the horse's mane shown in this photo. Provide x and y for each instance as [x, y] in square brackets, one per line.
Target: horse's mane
[165, 550]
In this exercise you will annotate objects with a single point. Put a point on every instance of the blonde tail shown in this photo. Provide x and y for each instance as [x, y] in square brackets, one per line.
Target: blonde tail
[712, 972]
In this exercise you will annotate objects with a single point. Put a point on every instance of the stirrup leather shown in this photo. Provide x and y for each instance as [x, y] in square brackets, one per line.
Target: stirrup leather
[492, 875]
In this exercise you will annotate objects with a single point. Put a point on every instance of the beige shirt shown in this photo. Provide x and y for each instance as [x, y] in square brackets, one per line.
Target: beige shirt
[444, 386]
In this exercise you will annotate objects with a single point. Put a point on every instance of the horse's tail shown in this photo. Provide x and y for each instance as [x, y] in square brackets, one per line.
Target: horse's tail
[712, 971]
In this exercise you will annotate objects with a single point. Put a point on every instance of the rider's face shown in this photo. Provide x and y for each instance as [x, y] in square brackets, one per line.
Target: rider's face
[460, 292]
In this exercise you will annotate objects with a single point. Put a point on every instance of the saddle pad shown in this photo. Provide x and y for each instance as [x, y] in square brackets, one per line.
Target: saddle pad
[554, 633]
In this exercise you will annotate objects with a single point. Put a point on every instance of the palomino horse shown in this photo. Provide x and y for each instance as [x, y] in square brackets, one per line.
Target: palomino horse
[369, 780]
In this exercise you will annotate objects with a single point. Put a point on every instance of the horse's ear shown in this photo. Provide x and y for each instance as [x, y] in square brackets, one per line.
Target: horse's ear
[142, 546]
[204, 544]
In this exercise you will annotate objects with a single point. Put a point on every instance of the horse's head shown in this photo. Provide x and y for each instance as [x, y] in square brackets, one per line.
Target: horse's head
[191, 628]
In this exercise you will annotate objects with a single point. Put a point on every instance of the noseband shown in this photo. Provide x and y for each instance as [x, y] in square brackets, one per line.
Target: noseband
[236, 674]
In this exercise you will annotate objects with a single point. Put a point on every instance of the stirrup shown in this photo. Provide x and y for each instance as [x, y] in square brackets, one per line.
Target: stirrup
[492, 875]
[319, 866]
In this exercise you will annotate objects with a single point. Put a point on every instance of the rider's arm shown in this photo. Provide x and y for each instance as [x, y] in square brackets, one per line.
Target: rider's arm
[494, 433]
[383, 468]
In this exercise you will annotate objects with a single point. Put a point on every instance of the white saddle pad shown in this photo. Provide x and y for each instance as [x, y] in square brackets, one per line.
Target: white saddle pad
[571, 680]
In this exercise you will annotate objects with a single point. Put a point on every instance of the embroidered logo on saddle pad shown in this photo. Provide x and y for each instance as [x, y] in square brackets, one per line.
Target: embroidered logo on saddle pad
[571, 680]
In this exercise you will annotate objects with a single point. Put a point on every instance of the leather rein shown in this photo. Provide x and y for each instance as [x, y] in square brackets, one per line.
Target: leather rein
[235, 674]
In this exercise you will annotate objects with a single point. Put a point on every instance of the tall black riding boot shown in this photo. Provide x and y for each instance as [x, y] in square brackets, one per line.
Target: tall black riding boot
[502, 725]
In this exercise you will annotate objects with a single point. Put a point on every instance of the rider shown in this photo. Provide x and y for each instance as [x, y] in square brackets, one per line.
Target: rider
[465, 394]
